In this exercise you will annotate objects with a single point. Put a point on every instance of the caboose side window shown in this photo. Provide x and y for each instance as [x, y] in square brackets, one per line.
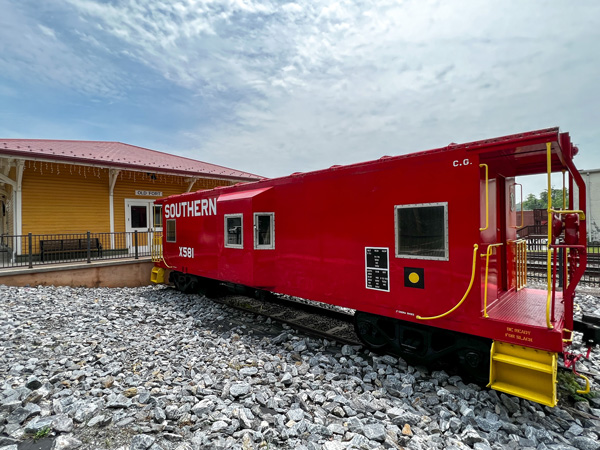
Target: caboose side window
[171, 235]
[422, 231]
[264, 231]
[234, 237]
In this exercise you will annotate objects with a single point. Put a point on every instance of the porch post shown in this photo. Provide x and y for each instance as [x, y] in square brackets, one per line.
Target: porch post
[112, 180]
[19, 199]
[5, 179]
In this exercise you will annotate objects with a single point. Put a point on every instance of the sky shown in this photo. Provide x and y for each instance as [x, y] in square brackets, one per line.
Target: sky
[275, 87]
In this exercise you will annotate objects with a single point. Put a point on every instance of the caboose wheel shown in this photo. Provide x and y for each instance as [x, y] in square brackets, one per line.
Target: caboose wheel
[210, 288]
[369, 331]
[474, 360]
[178, 280]
[185, 283]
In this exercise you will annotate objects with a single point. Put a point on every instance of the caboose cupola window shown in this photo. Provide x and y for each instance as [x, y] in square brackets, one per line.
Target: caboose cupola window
[234, 237]
[264, 231]
[422, 231]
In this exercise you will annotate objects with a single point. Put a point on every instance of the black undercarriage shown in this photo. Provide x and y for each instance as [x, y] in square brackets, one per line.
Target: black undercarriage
[418, 344]
[426, 345]
[589, 326]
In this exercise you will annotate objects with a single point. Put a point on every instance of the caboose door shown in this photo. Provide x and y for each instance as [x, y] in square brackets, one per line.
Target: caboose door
[501, 234]
[497, 238]
[506, 233]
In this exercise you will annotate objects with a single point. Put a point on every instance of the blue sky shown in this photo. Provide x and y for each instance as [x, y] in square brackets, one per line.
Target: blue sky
[275, 87]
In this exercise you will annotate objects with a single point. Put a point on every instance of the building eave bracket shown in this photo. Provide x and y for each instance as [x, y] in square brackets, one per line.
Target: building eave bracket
[191, 181]
[7, 180]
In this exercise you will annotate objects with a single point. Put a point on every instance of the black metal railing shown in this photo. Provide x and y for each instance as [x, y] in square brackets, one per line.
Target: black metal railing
[537, 261]
[532, 230]
[31, 250]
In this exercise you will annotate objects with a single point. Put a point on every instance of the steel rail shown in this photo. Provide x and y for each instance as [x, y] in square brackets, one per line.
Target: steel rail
[282, 310]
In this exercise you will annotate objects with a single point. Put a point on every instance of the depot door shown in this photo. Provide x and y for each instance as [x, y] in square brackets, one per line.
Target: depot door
[138, 217]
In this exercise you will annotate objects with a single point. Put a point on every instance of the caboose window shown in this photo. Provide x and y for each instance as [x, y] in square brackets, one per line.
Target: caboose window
[422, 231]
[264, 230]
[170, 230]
[234, 237]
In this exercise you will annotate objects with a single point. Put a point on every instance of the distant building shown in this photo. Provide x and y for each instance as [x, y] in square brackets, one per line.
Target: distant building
[55, 186]
[532, 217]
[592, 185]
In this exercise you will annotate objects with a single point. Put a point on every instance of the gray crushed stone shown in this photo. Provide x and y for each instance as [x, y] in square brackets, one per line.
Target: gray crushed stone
[151, 368]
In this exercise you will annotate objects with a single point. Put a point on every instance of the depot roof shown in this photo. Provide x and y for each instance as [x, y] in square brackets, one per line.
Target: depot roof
[117, 155]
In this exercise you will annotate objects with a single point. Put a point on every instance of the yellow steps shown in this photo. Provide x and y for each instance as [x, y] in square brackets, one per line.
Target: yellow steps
[524, 371]
[158, 275]
[520, 362]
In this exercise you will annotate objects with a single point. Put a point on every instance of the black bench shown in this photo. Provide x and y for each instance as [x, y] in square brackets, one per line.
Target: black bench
[69, 246]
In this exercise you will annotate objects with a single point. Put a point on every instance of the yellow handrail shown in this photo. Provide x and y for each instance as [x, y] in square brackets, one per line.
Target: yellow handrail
[570, 340]
[564, 192]
[564, 209]
[569, 211]
[587, 384]
[475, 247]
[487, 202]
[156, 249]
[549, 249]
[521, 263]
[487, 254]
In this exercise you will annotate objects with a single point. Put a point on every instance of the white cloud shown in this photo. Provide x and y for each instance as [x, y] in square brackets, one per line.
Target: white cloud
[412, 77]
[36, 53]
[301, 85]
[47, 31]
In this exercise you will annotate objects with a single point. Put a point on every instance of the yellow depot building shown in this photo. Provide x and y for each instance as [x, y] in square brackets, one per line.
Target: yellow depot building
[59, 190]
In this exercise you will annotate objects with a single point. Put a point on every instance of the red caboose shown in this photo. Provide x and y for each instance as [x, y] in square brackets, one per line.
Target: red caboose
[423, 246]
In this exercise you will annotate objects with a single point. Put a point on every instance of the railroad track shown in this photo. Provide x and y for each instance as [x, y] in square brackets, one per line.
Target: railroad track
[308, 317]
[331, 324]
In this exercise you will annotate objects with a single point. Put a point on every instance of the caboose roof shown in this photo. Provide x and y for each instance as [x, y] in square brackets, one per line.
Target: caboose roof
[527, 150]
[117, 155]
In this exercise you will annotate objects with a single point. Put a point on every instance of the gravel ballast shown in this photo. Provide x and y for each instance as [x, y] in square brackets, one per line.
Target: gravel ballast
[151, 368]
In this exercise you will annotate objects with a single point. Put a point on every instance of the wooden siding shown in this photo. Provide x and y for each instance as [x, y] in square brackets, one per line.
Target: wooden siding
[129, 182]
[62, 198]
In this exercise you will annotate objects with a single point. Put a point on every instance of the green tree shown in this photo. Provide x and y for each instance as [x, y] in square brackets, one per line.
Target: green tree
[533, 202]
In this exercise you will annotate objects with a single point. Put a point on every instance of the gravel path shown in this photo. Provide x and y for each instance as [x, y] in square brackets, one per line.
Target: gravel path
[150, 368]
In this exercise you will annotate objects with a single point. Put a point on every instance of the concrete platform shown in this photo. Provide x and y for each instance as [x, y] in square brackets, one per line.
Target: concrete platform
[112, 273]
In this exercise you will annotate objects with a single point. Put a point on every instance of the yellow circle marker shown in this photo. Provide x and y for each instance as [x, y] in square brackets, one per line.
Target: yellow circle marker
[413, 277]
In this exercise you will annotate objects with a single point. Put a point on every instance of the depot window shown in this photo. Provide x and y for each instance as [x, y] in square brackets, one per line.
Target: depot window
[234, 236]
[422, 231]
[139, 217]
[264, 231]
[171, 230]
